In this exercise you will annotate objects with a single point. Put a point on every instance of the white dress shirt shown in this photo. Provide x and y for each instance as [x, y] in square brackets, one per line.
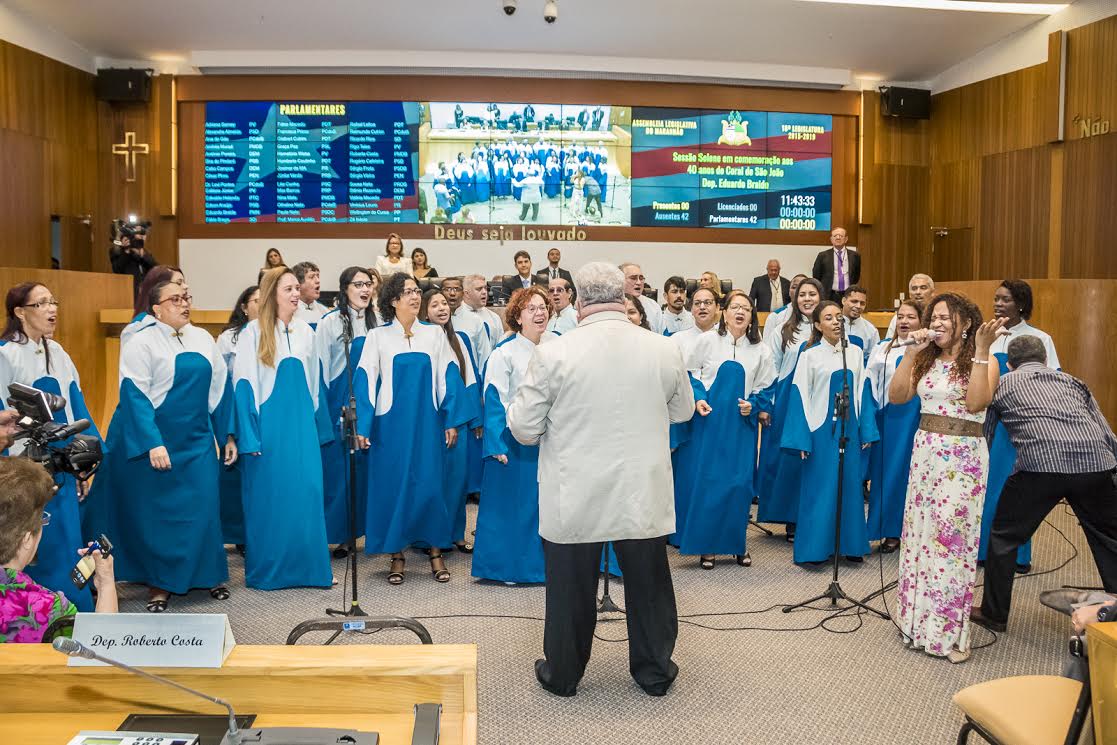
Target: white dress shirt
[841, 269]
[673, 323]
[565, 320]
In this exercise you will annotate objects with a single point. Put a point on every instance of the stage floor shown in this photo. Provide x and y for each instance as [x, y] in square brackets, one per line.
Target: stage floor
[734, 686]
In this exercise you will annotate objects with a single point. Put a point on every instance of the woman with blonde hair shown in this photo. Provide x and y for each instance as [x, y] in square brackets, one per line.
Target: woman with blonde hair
[711, 282]
[393, 260]
[280, 429]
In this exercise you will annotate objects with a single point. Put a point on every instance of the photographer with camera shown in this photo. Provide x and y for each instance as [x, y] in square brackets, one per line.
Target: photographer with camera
[39, 361]
[127, 253]
[28, 609]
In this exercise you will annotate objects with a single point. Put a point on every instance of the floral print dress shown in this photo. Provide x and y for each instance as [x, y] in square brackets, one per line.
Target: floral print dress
[27, 609]
[942, 522]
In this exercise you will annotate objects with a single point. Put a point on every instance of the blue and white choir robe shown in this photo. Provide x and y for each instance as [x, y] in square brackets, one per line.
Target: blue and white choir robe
[310, 313]
[680, 432]
[229, 478]
[674, 323]
[335, 454]
[168, 523]
[481, 180]
[863, 335]
[890, 457]
[484, 329]
[502, 178]
[458, 460]
[1002, 454]
[63, 537]
[281, 426]
[409, 391]
[507, 546]
[778, 472]
[719, 462]
[809, 429]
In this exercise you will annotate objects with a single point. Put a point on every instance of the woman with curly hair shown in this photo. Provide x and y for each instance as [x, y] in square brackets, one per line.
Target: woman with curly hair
[949, 369]
[509, 548]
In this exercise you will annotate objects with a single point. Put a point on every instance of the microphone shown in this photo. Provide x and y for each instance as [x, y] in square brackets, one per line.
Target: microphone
[72, 429]
[910, 342]
[74, 648]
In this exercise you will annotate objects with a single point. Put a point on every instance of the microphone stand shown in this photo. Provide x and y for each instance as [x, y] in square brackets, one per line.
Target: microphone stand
[349, 429]
[841, 416]
[606, 604]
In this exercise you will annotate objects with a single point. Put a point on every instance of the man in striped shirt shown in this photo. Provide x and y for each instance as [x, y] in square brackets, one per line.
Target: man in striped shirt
[1065, 449]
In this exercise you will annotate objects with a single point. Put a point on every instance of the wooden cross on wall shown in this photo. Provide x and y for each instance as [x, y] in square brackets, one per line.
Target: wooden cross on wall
[130, 149]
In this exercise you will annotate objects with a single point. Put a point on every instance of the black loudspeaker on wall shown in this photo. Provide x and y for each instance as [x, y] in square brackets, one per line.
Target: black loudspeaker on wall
[119, 85]
[906, 103]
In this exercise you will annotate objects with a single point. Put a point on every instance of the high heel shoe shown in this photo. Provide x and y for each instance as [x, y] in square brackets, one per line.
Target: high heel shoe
[744, 560]
[395, 570]
[439, 570]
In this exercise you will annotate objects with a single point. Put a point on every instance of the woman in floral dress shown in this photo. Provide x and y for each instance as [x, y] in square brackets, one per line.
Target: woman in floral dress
[950, 372]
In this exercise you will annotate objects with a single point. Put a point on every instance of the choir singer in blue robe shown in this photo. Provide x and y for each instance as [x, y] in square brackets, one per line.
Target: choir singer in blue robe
[37, 360]
[280, 429]
[344, 326]
[779, 473]
[734, 372]
[890, 457]
[508, 546]
[164, 486]
[435, 309]
[410, 403]
[812, 431]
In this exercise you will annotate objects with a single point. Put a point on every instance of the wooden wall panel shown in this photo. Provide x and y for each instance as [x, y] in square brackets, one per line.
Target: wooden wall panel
[1090, 207]
[898, 244]
[48, 133]
[1092, 74]
[1014, 214]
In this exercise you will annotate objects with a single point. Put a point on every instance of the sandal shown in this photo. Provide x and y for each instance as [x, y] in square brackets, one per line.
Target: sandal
[395, 570]
[706, 562]
[219, 593]
[441, 574]
[744, 560]
[463, 547]
[889, 545]
[157, 605]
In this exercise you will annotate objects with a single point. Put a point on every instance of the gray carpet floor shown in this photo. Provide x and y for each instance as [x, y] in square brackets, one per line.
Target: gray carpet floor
[772, 682]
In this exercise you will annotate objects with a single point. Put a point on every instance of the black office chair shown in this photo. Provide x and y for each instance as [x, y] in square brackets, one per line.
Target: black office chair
[496, 292]
[424, 283]
[726, 287]
[691, 287]
[651, 292]
[436, 282]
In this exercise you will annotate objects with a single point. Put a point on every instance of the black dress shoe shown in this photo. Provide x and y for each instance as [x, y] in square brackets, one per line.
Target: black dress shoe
[979, 618]
[543, 675]
[855, 559]
[340, 552]
[1023, 568]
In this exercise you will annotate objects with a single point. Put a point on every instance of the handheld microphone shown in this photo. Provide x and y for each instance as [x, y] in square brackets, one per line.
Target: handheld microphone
[910, 342]
[74, 648]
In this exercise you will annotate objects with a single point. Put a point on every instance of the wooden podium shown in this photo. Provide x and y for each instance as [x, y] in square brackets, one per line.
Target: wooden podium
[371, 688]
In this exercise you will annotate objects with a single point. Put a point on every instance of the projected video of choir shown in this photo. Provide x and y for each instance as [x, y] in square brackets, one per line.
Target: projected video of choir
[508, 163]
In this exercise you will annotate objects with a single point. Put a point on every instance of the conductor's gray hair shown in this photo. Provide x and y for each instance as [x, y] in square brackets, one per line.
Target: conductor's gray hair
[599, 282]
[922, 276]
[1025, 349]
[469, 278]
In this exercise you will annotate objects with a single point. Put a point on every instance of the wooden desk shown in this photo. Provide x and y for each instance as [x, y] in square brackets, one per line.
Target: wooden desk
[1101, 642]
[366, 687]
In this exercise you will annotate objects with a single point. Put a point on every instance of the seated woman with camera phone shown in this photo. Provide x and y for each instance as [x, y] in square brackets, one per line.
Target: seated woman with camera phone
[27, 609]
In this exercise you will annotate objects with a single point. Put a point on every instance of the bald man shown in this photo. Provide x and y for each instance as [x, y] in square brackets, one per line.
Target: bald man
[770, 291]
[921, 288]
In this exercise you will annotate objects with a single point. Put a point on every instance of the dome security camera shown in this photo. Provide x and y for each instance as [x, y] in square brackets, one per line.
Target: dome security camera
[550, 11]
[509, 7]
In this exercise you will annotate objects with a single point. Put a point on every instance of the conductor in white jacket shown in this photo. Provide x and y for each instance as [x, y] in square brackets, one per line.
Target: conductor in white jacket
[598, 402]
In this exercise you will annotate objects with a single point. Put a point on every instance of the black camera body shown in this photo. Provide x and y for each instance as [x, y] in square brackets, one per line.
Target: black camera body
[80, 457]
[134, 231]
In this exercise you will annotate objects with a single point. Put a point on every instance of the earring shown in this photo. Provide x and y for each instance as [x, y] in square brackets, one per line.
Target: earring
[965, 335]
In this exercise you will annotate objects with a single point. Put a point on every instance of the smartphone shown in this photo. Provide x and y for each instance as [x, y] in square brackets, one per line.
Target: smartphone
[83, 570]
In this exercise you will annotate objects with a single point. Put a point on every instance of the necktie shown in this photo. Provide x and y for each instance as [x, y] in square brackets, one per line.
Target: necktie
[841, 270]
[554, 274]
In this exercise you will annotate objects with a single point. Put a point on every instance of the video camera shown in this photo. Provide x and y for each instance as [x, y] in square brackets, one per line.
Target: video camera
[132, 229]
[80, 457]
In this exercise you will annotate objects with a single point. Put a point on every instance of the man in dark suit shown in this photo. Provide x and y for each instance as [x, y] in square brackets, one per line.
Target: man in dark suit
[553, 270]
[770, 291]
[523, 277]
[838, 267]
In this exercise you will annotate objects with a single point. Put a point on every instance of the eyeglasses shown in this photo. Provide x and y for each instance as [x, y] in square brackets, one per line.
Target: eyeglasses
[361, 285]
[41, 303]
[46, 518]
[411, 291]
[703, 303]
[178, 300]
[737, 308]
[533, 309]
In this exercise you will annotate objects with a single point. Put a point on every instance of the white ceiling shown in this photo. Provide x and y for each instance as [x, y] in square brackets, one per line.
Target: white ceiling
[890, 43]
